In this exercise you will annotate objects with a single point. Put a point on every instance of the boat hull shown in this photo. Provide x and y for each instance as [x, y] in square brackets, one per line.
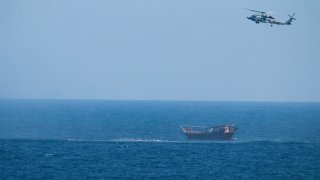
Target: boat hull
[224, 132]
[210, 136]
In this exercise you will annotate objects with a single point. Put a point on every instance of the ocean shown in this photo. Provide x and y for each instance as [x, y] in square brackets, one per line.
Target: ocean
[100, 139]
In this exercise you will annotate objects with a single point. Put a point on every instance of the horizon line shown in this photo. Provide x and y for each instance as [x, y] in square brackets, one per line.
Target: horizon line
[182, 100]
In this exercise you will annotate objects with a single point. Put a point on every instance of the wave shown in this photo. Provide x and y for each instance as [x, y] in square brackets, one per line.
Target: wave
[146, 140]
[183, 141]
[234, 141]
[130, 140]
[288, 141]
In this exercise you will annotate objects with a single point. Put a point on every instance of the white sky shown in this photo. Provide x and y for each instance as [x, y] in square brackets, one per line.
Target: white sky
[158, 50]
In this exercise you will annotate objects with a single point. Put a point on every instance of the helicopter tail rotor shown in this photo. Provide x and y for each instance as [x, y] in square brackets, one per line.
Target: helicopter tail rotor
[291, 17]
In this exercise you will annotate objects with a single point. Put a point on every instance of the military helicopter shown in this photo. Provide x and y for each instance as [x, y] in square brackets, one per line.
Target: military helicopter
[265, 17]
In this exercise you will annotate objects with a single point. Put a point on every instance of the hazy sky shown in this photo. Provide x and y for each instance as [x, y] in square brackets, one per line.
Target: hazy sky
[158, 50]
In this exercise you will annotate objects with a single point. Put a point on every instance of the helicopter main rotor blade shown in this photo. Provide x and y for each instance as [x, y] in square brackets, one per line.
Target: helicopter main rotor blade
[256, 11]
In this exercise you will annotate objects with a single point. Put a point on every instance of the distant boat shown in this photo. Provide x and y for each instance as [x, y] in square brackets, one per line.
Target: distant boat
[223, 132]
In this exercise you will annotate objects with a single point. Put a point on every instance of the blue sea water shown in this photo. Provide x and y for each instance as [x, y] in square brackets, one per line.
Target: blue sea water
[92, 139]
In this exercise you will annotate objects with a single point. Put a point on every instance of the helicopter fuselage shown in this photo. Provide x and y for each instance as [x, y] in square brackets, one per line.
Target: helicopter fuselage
[257, 18]
[260, 18]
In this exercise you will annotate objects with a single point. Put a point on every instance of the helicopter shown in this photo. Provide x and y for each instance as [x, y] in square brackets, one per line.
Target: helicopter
[265, 17]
